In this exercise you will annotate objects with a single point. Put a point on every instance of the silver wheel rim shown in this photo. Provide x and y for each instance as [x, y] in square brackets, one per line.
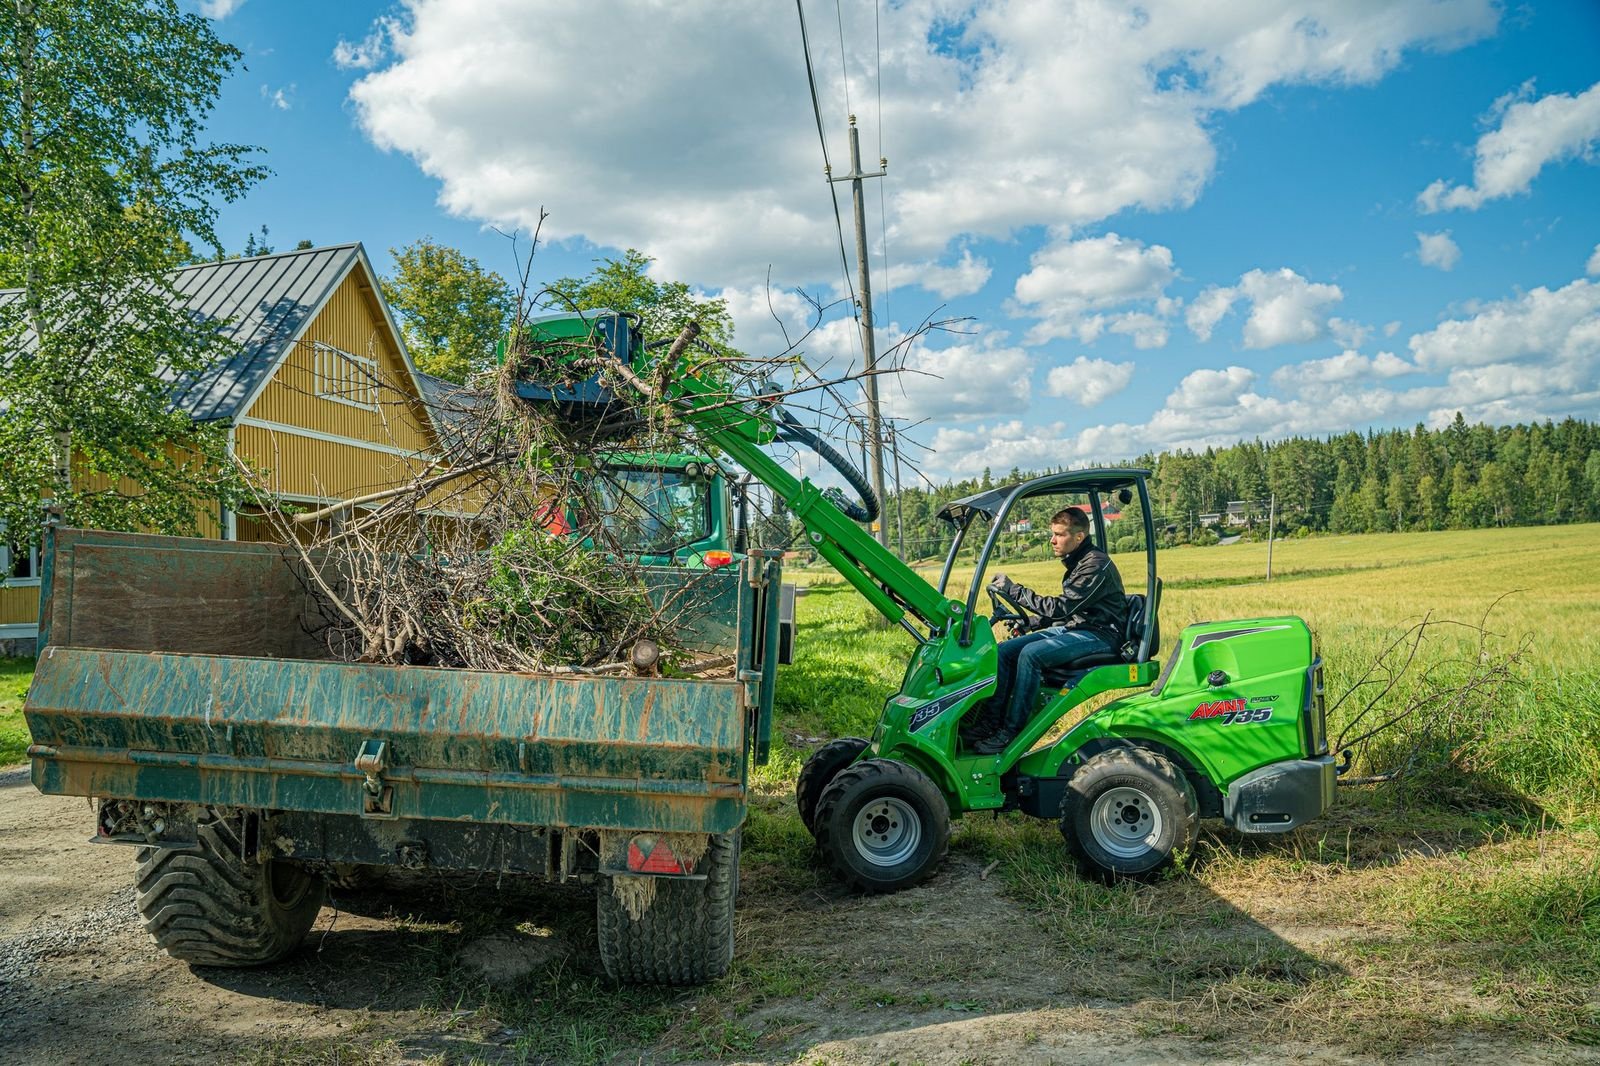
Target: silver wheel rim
[1125, 822]
[887, 831]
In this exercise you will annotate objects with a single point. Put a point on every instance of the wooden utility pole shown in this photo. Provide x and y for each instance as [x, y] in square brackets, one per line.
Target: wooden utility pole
[868, 343]
[1272, 526]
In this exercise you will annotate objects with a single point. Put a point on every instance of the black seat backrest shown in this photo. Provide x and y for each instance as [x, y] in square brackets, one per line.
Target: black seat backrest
[1133, 629]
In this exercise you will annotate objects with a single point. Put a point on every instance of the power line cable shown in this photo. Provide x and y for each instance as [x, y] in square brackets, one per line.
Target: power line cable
[827, 164]
[844, 70]
[883, 209]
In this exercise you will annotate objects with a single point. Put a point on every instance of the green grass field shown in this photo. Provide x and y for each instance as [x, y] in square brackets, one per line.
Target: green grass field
[1457, 906]
[1535, 591]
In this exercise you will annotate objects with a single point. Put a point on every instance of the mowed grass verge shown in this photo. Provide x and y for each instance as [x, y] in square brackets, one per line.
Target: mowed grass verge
[1463, 896]
[14, 677]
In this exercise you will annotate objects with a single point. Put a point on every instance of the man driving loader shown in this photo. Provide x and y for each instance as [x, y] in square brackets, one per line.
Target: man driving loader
[1086, 619]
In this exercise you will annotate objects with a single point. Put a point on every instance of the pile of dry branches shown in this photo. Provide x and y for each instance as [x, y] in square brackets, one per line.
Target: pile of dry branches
[516, 549]
[1415, 717]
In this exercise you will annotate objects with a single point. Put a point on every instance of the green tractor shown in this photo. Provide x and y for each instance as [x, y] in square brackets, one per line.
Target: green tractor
[1231, 727]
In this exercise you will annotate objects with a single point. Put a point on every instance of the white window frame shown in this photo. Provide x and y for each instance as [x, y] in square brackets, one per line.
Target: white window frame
[5, 567]
[342, 377]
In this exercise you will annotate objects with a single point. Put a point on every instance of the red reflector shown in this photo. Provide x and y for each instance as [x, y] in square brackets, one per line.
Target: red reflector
[715, 559]
[653, 855]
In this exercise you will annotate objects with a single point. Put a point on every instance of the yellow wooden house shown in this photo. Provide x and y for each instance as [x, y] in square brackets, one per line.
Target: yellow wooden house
[319, 393]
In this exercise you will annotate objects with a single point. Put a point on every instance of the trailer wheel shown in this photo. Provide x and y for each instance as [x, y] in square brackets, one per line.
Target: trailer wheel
[1126, 812]
[883, 825]
[667, 930]
[207, 907]
[819, 770]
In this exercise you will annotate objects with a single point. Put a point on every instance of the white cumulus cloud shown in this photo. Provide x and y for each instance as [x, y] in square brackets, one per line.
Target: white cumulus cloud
[1531, 135]
[962, 278]
[1106, 108]
[1088, 381]
[1068, 280]
[1539, 326]
[1593, 267]
[219, 9]
[961, 382]
[1341, 369]
[1285, 308]
[370, 50]
[1208, 309]
[1211, 388]
[1438, 250]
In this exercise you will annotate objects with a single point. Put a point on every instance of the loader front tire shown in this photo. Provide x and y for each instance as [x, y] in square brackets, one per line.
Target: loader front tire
[208, 907]
[670, 930]
[819, 770]
[1127, 813]
[883, 825]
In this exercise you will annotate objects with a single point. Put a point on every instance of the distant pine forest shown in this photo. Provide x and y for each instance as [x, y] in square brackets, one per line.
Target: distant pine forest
[1460, 477]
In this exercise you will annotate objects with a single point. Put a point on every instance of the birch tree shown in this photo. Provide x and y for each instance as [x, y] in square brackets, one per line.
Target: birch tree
[105, 180]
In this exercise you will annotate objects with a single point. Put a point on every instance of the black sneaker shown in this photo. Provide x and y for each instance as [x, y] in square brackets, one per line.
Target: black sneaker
[979, 724]
[995, 743]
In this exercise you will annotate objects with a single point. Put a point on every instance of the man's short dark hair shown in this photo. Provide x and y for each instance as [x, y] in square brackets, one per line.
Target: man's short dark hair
[1071, 517]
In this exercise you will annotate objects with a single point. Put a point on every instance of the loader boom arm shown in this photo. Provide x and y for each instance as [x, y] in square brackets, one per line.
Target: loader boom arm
[742, 428]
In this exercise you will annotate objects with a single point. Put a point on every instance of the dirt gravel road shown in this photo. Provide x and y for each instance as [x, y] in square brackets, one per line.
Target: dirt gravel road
[940, 977]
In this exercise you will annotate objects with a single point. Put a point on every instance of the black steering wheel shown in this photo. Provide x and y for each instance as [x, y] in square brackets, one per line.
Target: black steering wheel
[1007, 610]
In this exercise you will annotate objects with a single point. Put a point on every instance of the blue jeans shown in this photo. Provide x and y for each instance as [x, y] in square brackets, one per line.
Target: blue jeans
[1022, 660]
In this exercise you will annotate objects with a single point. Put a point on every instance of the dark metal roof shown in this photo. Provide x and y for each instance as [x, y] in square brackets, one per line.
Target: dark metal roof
[453, 409]
[262, 303]
[988, 502]
[266, 302]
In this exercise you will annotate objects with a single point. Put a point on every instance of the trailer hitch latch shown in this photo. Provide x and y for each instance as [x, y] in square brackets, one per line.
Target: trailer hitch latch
[371, 761]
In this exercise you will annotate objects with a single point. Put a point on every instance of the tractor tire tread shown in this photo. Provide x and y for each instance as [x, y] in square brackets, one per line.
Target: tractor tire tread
[684, 935]
[819, 770]
[207, 907]
[1140, 765]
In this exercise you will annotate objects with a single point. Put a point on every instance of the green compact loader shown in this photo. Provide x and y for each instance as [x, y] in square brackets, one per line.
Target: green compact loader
[1231, 727]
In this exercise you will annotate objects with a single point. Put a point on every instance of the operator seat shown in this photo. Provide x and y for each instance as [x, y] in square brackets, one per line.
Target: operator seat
[1063, 677]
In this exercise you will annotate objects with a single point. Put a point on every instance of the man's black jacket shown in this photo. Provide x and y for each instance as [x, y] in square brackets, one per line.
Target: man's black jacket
[1091, 596]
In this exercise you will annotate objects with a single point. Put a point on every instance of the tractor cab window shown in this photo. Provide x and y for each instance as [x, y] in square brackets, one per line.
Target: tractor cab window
[653, 512]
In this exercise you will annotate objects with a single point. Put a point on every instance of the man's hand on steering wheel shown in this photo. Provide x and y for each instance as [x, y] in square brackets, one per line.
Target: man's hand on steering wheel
[1005, 609]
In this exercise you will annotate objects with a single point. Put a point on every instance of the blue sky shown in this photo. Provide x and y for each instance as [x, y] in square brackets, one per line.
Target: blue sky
[1170, 226]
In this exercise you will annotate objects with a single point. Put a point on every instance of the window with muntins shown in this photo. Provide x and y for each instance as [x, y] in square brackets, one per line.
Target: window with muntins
[346, 378]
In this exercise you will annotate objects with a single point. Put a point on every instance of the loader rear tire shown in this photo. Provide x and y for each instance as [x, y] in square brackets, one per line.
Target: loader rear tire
[1127, 813]
[819, 770]
[675, 931]
[208, 907]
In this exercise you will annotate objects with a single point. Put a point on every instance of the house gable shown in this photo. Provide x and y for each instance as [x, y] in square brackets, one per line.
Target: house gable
[341, 413]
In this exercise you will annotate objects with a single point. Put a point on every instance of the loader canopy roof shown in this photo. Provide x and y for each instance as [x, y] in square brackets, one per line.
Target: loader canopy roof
[1103, 480]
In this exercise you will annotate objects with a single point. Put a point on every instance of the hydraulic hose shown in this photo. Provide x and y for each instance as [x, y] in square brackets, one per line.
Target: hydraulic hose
[790, 431]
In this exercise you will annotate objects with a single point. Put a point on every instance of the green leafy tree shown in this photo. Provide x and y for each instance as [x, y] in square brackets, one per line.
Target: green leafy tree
[665, 307]
[104, 179]
[452, 311]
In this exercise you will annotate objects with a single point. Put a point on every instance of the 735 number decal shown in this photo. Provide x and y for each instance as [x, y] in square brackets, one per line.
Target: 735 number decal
[1247, 716]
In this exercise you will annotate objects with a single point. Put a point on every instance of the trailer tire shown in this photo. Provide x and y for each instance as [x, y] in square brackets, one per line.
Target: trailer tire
[1126, 814]
[682, 934]
[819, 770]
[883, 825]
[207, 907]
